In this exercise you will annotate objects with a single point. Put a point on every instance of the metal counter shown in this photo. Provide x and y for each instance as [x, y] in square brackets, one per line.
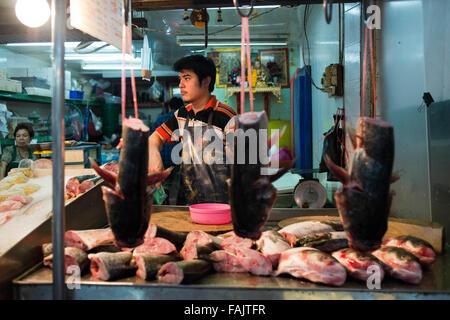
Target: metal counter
[84, 212]
[37, 284]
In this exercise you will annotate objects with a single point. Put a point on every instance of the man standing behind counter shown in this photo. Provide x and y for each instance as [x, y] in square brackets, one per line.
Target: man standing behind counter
[200, 181]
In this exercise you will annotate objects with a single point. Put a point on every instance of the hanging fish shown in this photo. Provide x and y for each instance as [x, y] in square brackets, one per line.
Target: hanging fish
[364, 200]
[251, 193]
[129, 202]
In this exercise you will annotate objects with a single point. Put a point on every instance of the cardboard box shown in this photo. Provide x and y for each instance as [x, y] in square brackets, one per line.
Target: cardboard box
[17, 72]
[3, 74]
[11, 86]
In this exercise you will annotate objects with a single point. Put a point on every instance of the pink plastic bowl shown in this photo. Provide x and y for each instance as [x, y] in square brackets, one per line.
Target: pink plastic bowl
[210, 213]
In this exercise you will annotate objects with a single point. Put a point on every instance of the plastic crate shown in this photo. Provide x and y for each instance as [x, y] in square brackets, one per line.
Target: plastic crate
[44, 139]
[7, 142]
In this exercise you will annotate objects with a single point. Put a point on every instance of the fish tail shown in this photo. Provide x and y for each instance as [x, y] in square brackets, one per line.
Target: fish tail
[337, 171]
[108, 176]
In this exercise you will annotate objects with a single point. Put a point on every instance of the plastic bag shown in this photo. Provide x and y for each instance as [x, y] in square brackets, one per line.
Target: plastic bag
[160, 196]
[334, 149]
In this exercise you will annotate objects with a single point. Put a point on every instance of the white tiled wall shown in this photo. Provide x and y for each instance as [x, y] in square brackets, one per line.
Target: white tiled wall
[323, 40]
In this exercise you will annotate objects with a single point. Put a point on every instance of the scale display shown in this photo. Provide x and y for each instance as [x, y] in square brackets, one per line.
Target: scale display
[310, 194]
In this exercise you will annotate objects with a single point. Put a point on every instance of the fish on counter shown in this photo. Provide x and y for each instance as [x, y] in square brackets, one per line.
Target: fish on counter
[420, 248]
[112, 166]
[155, 245]
[251, 194]
[5, 216]
[149, 264]
[326, 242]
[72, 257]
[73, 185]
[254, 261]
[313, 265]
[200, 238]
[196, 251]
[400, 264]
[271, 244]
[183, 271]
[232, 242]
[88, 239]
[177, 238]
[129, 199]
[299, 230]
[225, 261]
[364, 200]
[358, 263]
[47, 249]
[112, 265]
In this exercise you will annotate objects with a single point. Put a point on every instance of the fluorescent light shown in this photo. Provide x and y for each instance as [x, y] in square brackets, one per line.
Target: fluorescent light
[247, 6]
[101, 57]
[217, 44]
[40, 44]
[109, 67]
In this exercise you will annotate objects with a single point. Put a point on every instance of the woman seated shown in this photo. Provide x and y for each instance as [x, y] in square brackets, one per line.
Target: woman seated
[13, 154]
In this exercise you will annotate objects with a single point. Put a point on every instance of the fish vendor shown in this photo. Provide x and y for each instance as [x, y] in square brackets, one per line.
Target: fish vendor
[202, 170]
[23, 134]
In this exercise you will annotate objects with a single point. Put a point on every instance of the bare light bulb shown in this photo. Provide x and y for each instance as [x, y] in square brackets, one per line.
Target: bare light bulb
[32, 13]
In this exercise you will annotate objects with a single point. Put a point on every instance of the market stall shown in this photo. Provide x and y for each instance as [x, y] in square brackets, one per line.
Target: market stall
[370, 223]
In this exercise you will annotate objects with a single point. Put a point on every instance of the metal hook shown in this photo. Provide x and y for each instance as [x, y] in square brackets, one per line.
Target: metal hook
[329, 14]
[126, 5]
[236, 4]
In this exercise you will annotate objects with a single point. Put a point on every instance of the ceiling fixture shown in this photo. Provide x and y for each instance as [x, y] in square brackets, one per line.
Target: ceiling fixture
[186, 14]
[235, 43]
[199, 18]
[109, 67]
[32, 13]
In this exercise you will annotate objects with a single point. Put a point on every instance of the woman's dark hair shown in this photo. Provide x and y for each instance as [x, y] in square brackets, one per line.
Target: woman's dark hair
[27, 126]
[202, 66]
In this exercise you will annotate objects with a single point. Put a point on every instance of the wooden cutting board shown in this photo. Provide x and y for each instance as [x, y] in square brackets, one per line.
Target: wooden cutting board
[181, 221]
[430, 231]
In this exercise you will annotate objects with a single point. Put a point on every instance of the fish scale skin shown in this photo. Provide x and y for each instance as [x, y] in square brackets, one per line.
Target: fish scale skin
[313, 265]
[128, 203]
[364, 200]
[111, 265]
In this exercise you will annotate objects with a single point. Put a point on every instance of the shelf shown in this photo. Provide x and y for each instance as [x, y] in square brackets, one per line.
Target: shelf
[146, 105]
[39, 99]
[276, 91]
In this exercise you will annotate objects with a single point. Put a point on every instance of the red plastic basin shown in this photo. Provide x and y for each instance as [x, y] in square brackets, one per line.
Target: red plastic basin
[210, 213]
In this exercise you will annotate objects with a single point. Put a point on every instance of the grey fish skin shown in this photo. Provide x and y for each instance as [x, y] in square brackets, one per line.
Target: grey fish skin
[72, 257]
[364, 200]
[149, 264]
[326, 242]
[399, 264]
[251, 195]
[183, 271]
[110, 266]
[177, 238]
[128, 204]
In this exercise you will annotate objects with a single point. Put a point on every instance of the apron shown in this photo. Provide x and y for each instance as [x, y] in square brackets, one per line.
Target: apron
[14, 163]
[201, 182]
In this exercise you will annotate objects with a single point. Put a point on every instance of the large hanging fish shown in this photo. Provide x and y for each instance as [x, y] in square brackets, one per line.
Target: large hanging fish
[251, 193]
[364, 200]
[129, 202]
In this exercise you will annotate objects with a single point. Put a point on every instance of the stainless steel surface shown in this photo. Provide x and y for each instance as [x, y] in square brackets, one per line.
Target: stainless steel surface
[36, 284]
[58, 37]
[438, 116]
[85, 212]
